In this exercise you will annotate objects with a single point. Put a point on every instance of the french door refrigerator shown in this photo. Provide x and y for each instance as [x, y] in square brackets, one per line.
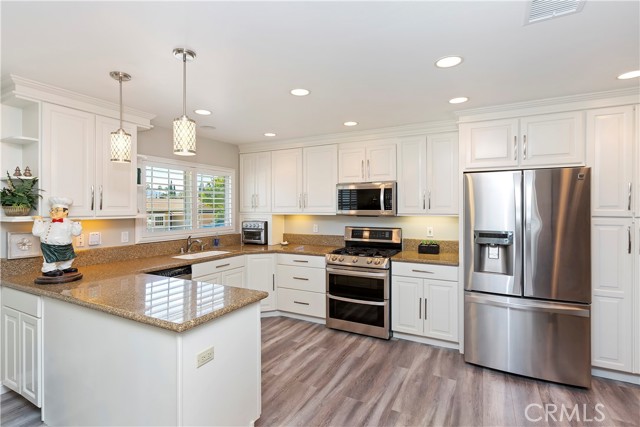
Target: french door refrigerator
[527, 272]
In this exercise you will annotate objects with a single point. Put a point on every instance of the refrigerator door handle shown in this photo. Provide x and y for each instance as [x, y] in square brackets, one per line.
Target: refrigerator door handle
[530, 305]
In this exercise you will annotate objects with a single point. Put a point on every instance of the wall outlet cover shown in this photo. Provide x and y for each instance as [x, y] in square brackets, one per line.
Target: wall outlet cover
[95, 238]
[205, 356]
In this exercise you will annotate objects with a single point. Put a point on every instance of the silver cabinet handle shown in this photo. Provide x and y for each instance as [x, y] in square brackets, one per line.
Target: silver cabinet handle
[362, 169]
[305, 201]
[273, 282]
[429, 199]
[301, 303]
[300, 260]
[422, 271]
[368, 169]
[629, 232]
[101, 197]
[425, 309]
[629, 200]
[300, 200]
[300, 278]
[424, 198]
[257, 200]
[92, 197]
[515, 147]
[524, 146]
[420, 308]
[253, 200]
[223, 265]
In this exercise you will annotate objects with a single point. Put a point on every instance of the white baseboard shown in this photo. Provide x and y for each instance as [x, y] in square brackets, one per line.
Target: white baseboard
[424, 340]
[616, 375]
[276, 313]
[3, 389]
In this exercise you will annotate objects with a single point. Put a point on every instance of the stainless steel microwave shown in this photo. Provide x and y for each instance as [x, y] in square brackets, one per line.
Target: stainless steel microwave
[367, 199]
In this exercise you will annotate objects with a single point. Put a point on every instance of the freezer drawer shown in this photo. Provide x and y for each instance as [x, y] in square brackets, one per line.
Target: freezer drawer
[539, 339]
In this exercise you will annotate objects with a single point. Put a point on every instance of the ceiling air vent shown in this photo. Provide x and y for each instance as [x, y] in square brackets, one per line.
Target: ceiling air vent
[541, 10]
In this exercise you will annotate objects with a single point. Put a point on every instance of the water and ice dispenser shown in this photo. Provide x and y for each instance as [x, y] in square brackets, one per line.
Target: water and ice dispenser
[493, 252]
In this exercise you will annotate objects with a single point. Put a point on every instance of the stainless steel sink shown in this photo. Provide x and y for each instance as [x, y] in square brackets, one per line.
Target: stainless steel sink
[198, 255]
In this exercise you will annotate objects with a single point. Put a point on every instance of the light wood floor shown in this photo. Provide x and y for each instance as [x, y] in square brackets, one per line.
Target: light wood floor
[314, 376]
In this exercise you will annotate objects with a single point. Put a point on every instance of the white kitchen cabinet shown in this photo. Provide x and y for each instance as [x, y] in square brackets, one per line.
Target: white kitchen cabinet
[301, 283]
[610, 142]
[255, 179]
[304, 180]
[76, 163]
[612, 328]
[534, 141]
[428, 175]
[227, 271]
[373, 161]
[261, 277]
[425, 307]
[22, 344]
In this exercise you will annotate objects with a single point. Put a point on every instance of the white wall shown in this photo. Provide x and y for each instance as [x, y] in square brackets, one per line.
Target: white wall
[413, 227]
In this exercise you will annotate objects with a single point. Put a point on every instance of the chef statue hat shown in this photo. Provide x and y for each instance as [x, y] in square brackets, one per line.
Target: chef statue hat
[60, 202]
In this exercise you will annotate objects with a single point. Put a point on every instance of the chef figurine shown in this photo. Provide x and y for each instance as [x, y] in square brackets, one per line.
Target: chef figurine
[55, 238]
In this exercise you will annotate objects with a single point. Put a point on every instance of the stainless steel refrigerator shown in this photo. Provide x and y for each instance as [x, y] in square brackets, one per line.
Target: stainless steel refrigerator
[527, 273]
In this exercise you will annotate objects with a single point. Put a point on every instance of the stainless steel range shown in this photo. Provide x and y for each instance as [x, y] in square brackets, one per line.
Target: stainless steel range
[359, 281]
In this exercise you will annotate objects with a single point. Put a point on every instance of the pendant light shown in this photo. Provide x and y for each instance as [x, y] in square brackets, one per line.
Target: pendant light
[184, 129]
[120, 140]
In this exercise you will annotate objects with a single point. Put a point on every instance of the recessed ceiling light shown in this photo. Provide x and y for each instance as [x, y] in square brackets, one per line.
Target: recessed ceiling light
[269, 134]
[448, 61]
[300, 92]
[459, 100]
[629, 75]
[350, 123]
[202, 112]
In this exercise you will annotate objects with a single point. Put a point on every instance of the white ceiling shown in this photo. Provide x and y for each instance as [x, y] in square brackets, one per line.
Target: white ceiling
[371, 62]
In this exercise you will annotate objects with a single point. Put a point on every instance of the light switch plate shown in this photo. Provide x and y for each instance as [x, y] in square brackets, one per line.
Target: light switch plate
[95, 238]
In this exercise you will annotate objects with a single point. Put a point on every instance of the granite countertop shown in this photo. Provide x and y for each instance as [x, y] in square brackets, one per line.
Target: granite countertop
[122, 289]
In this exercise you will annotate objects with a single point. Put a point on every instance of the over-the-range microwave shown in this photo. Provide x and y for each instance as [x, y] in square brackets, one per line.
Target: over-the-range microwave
[367, 199]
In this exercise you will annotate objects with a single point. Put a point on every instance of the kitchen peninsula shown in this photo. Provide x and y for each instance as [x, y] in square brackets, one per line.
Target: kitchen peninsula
[128, 349]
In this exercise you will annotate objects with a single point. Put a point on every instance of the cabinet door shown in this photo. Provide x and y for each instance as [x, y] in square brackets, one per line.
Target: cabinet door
[261, 277]
[552, 139]
[115, 182]
[286, 180]
[68, 157]
[612, 275]
[441, 310]
[351, 164]
[609, 138]
[320, 167]
[407, 305]
[263, 182]
[442, 174]
[412, 175]
[381, 162]
[234, 277]
[30, 330]
[491, 144]
[247, 182]
[11, 349]
[215, 278]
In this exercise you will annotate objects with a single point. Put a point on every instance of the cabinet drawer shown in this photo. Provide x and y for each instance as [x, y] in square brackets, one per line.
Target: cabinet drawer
[302, 302]
[301, 260]
[22, 301]
[302, 278]
[211, 267]
[425, 271]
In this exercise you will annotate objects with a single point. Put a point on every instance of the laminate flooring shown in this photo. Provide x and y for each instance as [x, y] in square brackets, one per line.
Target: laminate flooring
[314, 376]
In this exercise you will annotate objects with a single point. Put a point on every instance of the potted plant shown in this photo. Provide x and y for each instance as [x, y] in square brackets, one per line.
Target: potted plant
[429, 247]
[19, 196]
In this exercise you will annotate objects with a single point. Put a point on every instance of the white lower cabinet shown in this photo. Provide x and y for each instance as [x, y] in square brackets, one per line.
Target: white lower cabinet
[301, 281]
[22, 344]
[228, 271]
[422, 306]
[261, 277]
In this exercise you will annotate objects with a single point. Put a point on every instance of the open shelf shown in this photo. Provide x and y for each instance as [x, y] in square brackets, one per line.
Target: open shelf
[4, 218]
[18, 177]
[22, 140]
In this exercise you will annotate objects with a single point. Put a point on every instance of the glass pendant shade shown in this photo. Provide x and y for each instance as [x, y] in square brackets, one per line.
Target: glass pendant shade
[120, 146]
[184, 136]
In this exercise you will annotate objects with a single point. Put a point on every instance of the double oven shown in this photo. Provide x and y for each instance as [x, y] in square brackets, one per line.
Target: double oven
[359, 281]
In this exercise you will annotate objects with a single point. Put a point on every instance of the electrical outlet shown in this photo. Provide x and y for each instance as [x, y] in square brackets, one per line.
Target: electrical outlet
[429, 231]
[124, 237]
[80, 241]
[205, 356]
[315, 228]
[95, 238]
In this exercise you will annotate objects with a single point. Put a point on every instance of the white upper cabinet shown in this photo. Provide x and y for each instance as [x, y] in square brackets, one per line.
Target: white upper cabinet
[373, 161]
[304, 179]
[609, 138]
[535, 141]
[76, 163]
[255, 178]
[428, 175]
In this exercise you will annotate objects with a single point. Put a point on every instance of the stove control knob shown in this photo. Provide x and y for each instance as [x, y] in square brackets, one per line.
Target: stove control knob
[369, 260]
[341, 259]
[334, 257]
[355, 259]
[378, 262]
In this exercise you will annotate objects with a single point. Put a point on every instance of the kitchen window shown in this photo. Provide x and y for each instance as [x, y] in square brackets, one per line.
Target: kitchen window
[180, 199]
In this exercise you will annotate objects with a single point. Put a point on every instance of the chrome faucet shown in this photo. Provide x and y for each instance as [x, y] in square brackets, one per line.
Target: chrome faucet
[191, 242]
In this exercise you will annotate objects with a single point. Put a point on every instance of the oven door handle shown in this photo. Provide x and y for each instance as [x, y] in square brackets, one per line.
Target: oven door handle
[356, 301]
[356, 272]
